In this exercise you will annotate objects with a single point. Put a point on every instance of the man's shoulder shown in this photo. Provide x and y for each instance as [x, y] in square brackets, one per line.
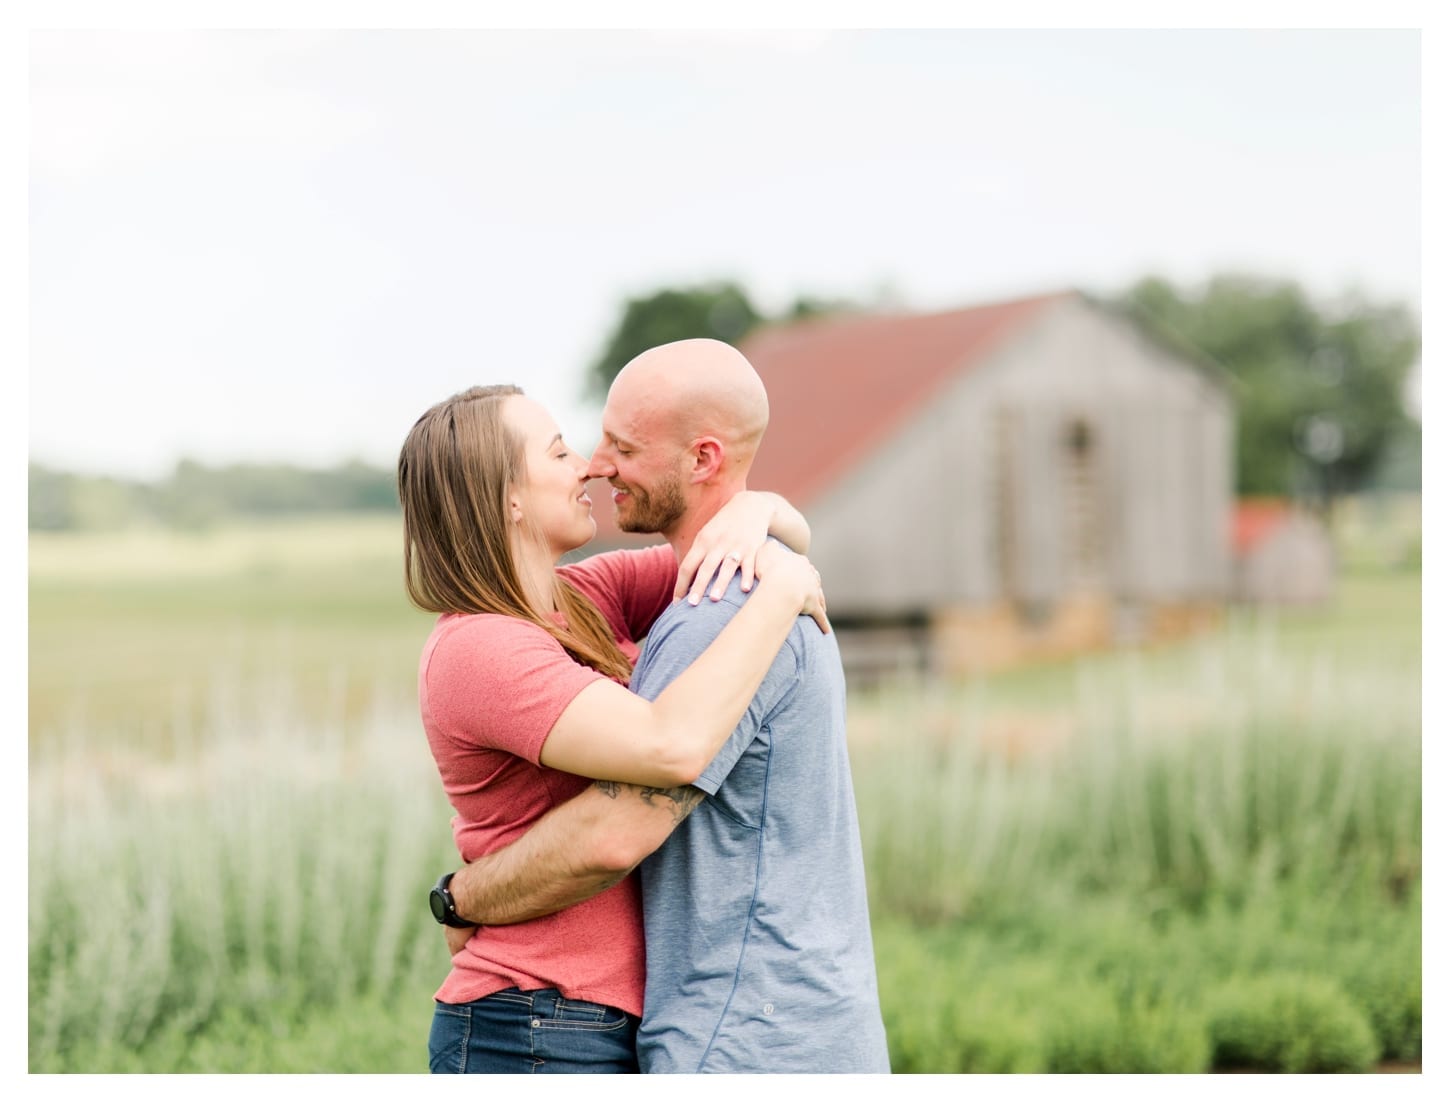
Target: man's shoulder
[683, 632]
[707, 617]
[683, 627]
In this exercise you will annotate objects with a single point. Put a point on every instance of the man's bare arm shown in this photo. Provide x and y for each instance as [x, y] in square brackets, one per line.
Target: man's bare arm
[574, 852]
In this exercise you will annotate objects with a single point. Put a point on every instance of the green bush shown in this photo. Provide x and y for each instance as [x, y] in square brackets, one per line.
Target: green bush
[1299, 772]
[1387, 986]
[240, 909]
[1109, 984]
[367, 1035]
[1089, 1032]
[986, 1041]
[1288, 1023]
[943, 1011]
[950, 1035]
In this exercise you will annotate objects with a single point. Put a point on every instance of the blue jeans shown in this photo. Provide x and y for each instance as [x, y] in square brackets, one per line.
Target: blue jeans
[531, 1033]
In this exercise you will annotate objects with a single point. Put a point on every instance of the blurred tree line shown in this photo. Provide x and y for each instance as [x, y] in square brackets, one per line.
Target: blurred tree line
[1319, 390]
[721, 310]
[196, 496]
[1319, 393]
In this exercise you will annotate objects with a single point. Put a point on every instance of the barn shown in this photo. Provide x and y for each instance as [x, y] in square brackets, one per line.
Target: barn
[999, 484]
[1283, 555]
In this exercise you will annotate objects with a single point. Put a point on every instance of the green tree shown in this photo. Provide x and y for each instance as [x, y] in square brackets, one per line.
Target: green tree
[196, 496]
[719, 310]
[806, 307]
[61, 501]
[1320, 391]
[50, 499]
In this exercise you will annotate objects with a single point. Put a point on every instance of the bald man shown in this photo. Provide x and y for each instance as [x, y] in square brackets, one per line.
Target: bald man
[757, 937]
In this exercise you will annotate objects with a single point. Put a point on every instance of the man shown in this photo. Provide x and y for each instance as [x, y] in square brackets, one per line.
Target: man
[758, 942]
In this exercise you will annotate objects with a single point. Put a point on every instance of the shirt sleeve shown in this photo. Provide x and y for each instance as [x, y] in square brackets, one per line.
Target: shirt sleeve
[680, 638]
[501, 683]
[631, 587]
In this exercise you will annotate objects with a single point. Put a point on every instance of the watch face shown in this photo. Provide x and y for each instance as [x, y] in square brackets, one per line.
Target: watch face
[436, 904]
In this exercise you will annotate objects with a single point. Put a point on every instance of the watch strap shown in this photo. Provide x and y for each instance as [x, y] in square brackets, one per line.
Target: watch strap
[441, 900]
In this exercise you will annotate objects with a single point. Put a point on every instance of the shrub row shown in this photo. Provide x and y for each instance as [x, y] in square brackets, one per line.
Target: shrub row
[1285, 985]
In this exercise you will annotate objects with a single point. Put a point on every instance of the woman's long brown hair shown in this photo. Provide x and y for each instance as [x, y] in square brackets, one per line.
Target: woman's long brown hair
[454, 474]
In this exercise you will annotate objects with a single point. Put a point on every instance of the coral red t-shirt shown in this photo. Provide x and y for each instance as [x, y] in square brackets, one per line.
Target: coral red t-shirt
[490, 689]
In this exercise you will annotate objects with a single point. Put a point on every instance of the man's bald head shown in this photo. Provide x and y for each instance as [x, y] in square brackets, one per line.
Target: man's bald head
[681, 426]
[696, 388]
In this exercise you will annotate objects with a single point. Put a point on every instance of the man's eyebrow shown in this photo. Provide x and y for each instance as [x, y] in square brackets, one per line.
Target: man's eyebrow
[617, 441]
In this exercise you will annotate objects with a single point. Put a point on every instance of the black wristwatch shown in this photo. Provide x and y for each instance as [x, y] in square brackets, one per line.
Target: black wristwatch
[440, 901]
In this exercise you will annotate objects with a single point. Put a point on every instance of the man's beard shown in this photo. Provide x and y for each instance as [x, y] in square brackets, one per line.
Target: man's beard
[652, 512]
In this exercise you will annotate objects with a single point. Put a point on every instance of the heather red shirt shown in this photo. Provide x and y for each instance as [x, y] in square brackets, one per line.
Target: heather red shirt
[490, 689]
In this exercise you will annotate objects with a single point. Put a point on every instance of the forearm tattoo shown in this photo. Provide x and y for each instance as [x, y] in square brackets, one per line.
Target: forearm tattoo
[680, 800]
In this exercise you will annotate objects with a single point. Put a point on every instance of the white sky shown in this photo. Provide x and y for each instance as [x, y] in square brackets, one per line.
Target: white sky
[287, 244]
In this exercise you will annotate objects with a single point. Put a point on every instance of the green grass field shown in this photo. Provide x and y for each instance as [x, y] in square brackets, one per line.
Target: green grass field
[136, 637]
[1196, 857]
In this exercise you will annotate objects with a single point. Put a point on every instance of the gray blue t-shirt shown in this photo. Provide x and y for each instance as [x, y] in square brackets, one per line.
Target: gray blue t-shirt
[757, 937]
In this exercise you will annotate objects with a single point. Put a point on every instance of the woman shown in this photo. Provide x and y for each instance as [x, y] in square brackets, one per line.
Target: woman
[522, 692]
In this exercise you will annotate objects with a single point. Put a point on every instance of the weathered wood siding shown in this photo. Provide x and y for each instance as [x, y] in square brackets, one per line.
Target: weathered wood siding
[900, 532]
[1080, 459]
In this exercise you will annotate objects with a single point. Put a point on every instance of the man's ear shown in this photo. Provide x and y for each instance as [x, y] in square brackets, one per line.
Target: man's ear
[707, 456]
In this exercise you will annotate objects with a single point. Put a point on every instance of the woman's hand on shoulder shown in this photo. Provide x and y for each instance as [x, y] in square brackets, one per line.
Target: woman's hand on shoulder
[730, 541]
[778, 565]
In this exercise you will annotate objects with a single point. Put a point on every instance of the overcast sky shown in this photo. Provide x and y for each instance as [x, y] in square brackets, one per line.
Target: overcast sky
[256, 245]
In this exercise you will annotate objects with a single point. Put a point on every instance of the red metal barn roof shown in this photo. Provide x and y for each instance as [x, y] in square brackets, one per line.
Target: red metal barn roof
[1253, 521]
[840, 387]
